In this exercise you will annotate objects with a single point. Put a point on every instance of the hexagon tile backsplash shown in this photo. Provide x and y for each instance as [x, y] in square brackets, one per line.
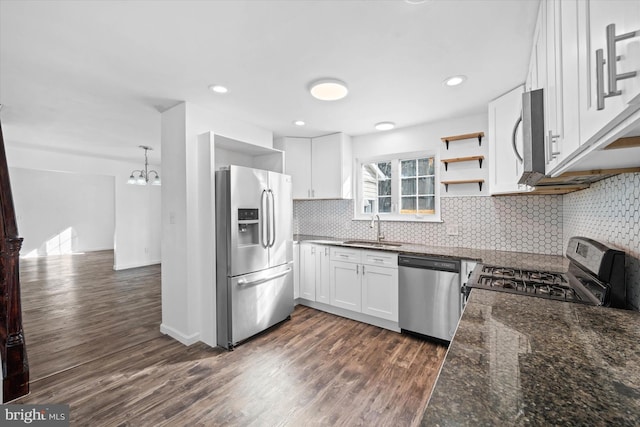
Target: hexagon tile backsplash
[609, 211]
[506, 223]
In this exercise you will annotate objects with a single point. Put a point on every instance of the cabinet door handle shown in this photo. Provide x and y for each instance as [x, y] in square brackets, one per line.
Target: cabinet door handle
[600, 79]
[313, 250]
[357, 269]
[313, 193]
[551, 138]
[612, 59]
[363, 270]
[326, 251]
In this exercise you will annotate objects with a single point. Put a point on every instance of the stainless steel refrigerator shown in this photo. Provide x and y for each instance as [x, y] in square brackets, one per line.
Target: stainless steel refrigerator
[254, 252]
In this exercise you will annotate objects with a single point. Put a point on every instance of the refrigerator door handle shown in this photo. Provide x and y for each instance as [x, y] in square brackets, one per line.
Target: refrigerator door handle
[264, 232]
[243, 282]
[272, 225]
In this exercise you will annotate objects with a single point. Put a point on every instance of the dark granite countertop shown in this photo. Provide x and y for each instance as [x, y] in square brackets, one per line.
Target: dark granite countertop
[519, 361]
[512, 259]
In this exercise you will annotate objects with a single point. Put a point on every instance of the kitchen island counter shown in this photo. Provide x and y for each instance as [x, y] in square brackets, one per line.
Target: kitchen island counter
[520, 360]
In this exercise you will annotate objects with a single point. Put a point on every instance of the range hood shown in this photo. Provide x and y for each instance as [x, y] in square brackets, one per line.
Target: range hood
[533, 137]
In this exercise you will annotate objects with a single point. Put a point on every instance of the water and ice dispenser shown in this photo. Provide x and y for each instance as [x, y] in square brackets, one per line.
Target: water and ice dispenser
[248, 227]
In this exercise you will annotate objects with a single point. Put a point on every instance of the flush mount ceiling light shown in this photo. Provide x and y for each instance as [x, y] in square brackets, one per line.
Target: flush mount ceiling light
[141, 177]
[385, 125]
[218, 89]
[328, 89]
[299, 123]
[455, 80]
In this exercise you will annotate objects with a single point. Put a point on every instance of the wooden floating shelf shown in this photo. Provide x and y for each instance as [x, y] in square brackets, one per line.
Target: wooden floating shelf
[627, 142]
[447, 139]
[464, 181]
[462, 159]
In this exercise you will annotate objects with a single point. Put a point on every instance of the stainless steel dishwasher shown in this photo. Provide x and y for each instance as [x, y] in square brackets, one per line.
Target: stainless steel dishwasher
[429, 295]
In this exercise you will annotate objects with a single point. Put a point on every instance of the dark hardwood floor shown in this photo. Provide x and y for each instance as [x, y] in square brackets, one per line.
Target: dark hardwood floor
[315, 369]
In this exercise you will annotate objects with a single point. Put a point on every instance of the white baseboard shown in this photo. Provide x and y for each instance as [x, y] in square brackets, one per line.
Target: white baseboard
[179, 336]
[135, 264]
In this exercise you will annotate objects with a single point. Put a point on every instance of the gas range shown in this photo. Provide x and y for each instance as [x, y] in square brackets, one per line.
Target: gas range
[596, 276]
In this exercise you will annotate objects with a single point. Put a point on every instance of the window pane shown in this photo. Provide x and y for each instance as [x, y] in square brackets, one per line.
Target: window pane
[426, 185]
[426, 205]
[384, 204]
[425, 166]
[408, 205]
[408, 186]
[369, 181]
[385, 169]
[408, 168]
[384, 188]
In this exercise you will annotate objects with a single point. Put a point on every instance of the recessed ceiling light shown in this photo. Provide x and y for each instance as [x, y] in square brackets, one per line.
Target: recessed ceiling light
[415, 1]
[328, 89]
[385, 125]
[218, 89]
[298, 123]
[455, 80]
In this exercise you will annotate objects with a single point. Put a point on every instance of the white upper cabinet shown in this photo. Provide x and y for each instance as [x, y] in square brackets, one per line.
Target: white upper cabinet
[298, 164]
[320, 167]
[599, 113]
[584, 57]
[561, 86]
[552, 88]
[567, 60]
[505, 153]
[537, 63]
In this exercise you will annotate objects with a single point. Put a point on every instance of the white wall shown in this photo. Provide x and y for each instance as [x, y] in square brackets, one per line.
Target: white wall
[61, 213]
[137, 208]
[188, 252]
[426, 137]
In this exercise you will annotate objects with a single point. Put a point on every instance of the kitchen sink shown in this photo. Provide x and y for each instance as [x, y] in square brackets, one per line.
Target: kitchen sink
[372, 243]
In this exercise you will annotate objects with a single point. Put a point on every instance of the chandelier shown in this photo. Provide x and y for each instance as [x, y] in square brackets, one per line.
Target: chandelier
[141, 177]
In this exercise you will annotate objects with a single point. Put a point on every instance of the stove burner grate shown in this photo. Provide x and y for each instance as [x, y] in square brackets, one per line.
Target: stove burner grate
[542, 289]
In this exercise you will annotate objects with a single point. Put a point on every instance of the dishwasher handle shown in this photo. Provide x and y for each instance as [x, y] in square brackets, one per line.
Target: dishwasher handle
[440, 264]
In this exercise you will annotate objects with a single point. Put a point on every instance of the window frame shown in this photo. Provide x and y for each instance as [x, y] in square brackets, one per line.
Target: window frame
[396, 181]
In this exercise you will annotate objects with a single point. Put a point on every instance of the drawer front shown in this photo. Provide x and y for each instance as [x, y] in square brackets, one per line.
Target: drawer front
[382, 259]
[345, 254]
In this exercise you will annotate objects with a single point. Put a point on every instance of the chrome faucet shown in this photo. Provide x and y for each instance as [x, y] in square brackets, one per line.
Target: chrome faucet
[380, 237]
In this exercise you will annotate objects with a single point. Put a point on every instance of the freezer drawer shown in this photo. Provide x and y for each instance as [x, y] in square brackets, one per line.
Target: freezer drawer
[251, 303]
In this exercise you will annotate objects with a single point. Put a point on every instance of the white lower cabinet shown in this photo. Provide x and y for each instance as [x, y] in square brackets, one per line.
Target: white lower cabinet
[345, 285]
[365, 281]
[357, 280]
[380, 292]
[314, 272]
[296, 270]
[323, 270]
[308, 271]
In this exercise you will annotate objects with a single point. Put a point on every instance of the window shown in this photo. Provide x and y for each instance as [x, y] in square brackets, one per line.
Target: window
[400, 188]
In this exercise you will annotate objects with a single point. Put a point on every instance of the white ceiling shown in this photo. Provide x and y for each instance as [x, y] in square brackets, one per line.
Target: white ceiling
[94, 76]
